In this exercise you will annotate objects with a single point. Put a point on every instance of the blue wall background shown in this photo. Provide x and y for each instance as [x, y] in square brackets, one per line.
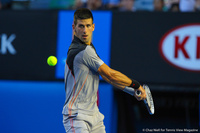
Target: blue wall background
[36, 107]
[30, 107]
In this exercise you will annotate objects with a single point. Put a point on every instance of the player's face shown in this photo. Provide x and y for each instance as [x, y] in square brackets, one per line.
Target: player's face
[84, 29]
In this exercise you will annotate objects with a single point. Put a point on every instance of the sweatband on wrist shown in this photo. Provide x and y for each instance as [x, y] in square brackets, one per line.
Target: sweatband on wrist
[135, 84]
[129, 90]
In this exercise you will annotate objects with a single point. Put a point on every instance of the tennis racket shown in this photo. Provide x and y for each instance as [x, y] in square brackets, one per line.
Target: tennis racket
[149, 100]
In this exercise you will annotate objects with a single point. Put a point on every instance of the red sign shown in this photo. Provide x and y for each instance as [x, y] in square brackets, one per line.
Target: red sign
[180, 47]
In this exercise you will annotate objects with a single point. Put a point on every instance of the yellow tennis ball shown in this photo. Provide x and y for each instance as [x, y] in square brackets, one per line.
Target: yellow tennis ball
[52, 61]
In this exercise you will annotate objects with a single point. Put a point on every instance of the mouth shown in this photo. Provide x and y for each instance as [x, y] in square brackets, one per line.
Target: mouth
[84, 36]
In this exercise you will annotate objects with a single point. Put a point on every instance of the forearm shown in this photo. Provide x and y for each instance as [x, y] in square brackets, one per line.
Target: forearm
[119, 78]
[121, 81]
[121, 87]
[126, 89]
[114, 77]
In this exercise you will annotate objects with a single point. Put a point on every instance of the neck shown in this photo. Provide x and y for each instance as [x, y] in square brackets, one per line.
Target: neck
[88, 43]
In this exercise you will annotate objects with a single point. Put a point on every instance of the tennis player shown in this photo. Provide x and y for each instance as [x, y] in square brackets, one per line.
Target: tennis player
[82, 69]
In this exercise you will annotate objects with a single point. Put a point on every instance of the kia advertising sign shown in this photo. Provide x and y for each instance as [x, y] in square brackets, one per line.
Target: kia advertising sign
[180, 47]
[157, 48]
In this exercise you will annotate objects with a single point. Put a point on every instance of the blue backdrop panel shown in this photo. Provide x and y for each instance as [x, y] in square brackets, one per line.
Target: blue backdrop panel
[31, 107]
[36, 107]
[108, 107]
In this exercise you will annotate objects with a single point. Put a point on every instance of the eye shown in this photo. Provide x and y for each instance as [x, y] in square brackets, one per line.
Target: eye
[88, 25]
[81, 26]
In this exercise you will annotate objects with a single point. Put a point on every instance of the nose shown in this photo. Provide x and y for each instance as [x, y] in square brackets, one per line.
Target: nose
[85, 29]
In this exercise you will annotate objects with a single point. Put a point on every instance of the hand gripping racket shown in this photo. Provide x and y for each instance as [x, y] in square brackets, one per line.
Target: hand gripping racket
[149, 99]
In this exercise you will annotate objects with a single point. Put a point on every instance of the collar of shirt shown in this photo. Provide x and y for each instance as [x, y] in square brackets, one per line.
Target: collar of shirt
[77, 40]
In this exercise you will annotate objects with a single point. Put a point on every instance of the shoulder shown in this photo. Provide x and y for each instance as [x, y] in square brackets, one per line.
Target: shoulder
[90, 49]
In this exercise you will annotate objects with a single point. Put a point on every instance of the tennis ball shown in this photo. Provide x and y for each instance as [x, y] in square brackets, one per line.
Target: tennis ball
[52, 61]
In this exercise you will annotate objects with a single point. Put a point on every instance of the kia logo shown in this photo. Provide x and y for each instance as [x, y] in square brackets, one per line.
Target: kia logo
[6, 45]
[180, 47]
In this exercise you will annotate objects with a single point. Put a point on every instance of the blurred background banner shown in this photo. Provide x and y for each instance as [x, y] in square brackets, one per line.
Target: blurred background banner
[155, 48]
[26, 40]
[145, 51]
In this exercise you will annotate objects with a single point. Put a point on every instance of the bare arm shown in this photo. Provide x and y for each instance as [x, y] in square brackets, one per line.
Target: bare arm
[118, 79]
[121, 87]
[114, 77]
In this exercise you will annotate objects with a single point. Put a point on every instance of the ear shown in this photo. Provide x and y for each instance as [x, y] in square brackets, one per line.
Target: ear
[93, 26]
[74, 30]
[73, 26]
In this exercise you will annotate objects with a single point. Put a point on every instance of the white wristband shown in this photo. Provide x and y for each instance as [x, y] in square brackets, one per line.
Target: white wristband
[129, 90]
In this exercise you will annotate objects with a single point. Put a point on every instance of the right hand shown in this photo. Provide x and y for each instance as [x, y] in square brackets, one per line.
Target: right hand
[142, 96]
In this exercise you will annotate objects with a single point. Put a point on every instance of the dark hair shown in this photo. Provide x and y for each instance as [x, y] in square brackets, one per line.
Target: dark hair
[82, 13]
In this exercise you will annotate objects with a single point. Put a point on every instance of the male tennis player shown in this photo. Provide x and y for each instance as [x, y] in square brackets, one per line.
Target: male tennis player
[83, 66]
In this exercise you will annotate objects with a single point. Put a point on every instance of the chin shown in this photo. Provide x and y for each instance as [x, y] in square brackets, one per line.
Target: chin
[85, 41]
